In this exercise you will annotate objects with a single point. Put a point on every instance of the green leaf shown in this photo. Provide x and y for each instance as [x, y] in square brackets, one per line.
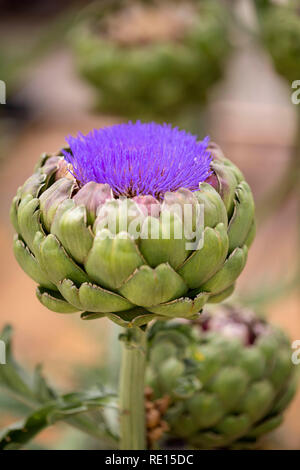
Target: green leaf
[182, 308]
[34, 392]
[205, 262]
[56, 262]
[243, 217]
[112, 260]
[149, 287]
[14, 213]
[230, 271]
[67, 406]
[70, 228]
[30, 265]
[53, 197]
[214, 208]
[96, 299]
[164, 248]
[42, 389]
[13, 378]
[54, 301]
[29, 219]
[128, 319]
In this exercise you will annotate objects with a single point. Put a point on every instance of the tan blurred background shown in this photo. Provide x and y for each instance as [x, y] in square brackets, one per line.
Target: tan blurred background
[250, 116]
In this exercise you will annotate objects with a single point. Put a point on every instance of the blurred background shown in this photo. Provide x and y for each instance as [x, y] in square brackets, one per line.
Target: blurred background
[58, 61]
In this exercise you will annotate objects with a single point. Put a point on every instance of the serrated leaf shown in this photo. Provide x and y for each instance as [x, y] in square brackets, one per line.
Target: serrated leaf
[13, 377]
[32, 391]
[65, 407]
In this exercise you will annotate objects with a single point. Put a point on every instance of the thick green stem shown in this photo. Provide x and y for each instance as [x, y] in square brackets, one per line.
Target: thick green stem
[132, 412]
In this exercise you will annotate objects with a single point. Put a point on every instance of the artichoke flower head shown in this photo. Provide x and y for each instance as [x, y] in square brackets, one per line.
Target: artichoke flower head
[134, 222]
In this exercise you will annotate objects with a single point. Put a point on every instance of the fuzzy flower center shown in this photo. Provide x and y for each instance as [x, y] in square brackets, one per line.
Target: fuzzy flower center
[140, 159]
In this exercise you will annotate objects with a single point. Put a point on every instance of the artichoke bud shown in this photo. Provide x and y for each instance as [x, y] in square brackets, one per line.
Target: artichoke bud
[227, 184]
[251, 234]
[65, 170]
[241, 222]
[39, 181]
[107, 231]
[50, 200]
[230, 329]
[125, 56]
[214, 208]
[52, 165]
[215, 151]
[280, 31]
[161, 352]
[93, 195]
[70, 227]
[14, 213]
[148, 204]
[181, 197]
[183, 203]
[186, 386]
[212, 180]
[32, 185]
[120, 215]
[41, 161]
[171, 369]
[231, 383]
[236, 171]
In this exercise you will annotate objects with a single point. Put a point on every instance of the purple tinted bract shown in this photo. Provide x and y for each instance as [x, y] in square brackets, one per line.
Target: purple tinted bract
[138, 158]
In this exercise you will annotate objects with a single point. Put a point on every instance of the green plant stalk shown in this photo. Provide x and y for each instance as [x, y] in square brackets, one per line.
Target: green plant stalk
[132, 375]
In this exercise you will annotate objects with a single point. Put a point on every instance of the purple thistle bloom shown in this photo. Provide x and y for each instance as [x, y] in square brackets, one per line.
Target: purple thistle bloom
[140, 159]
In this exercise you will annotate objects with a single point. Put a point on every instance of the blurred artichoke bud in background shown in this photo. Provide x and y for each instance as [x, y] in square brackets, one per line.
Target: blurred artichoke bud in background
[228, 376]
[130, 175]
[280, 30]
[152, 59]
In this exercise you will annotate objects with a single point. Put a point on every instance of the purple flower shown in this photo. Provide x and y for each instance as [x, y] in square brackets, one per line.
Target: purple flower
[140, 159]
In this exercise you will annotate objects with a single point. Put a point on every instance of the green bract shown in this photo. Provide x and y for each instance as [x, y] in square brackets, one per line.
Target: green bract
[154, 77]
[62, 244]
[229, 377]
